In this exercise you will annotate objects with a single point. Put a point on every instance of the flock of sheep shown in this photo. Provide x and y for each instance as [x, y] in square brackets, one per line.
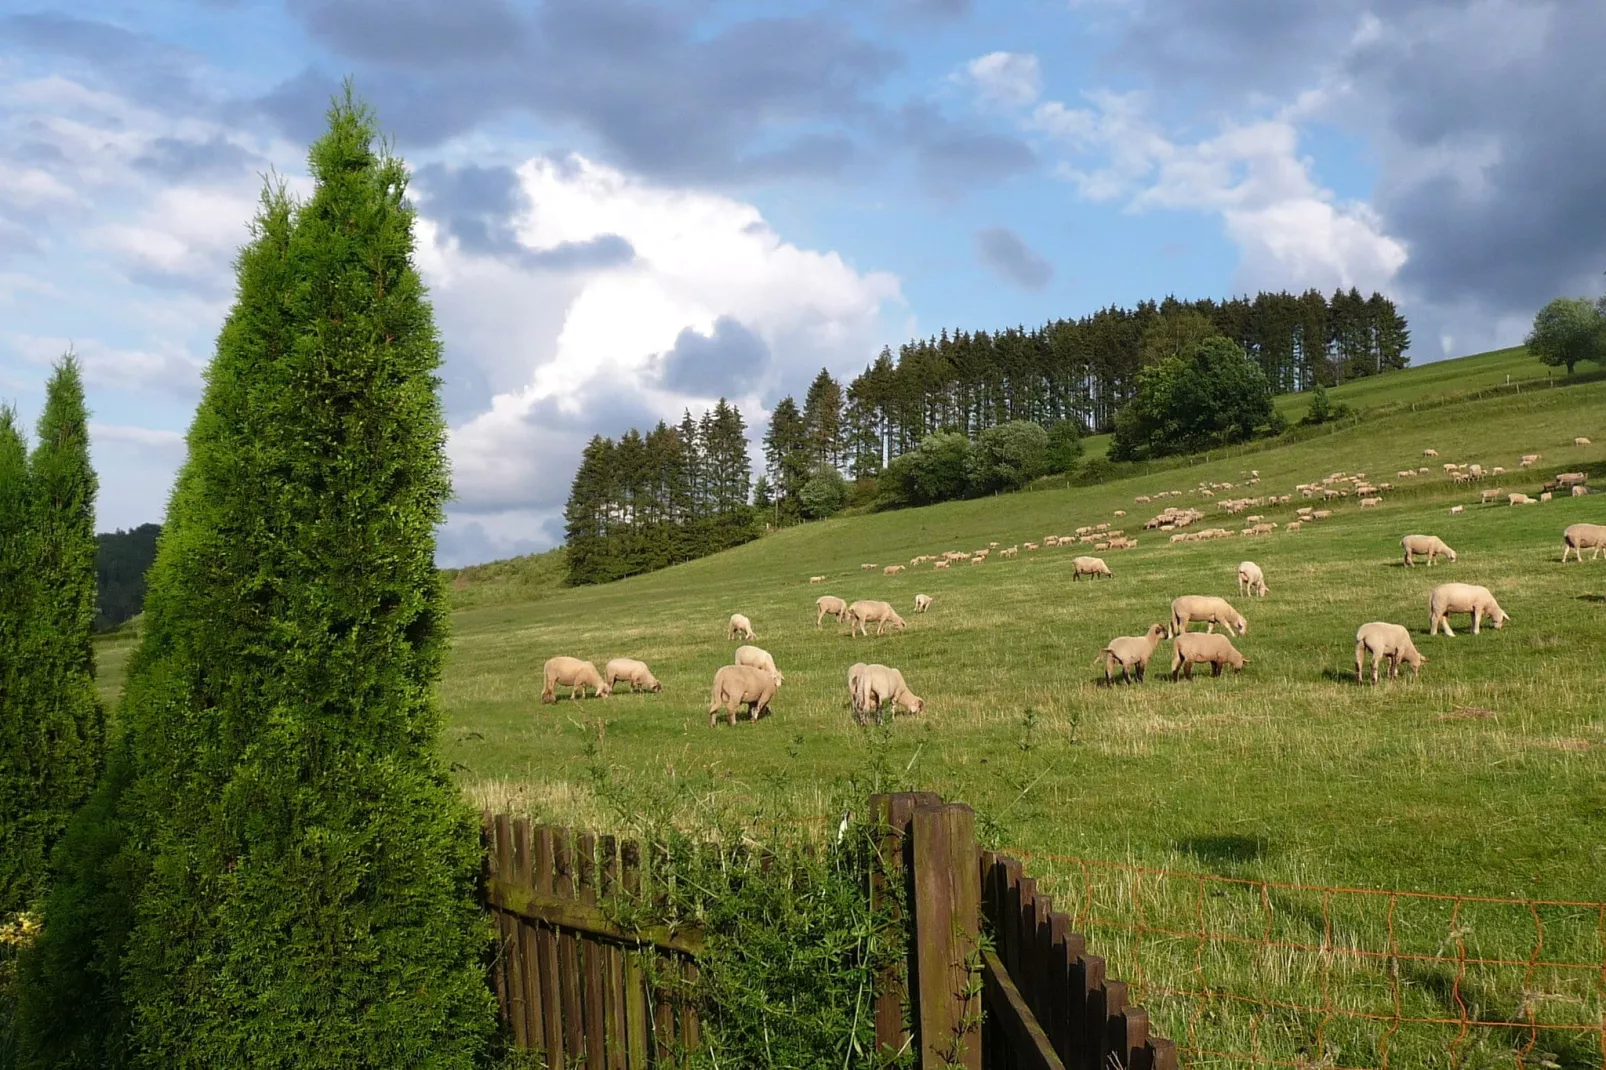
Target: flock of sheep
[752, 679]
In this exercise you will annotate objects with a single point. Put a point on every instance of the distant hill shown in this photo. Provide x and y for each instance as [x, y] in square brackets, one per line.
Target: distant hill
[121, 560]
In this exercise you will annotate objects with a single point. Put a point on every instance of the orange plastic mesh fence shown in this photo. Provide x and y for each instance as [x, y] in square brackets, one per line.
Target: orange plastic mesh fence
[1242, 971]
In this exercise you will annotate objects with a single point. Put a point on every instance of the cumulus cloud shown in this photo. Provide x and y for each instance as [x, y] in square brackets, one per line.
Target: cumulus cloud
[713, 303]
[1007, 255]
[170, 370]
[1008, 78]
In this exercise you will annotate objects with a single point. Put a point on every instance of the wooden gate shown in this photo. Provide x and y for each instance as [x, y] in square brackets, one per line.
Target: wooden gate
[994, 979]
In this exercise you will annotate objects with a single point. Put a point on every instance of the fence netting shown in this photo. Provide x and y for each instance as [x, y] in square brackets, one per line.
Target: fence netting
[1263, 973]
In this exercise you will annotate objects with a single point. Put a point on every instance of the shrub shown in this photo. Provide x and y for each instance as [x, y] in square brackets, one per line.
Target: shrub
[824, 493]
[1217, 396]
[1007, 457]
[1064, 446]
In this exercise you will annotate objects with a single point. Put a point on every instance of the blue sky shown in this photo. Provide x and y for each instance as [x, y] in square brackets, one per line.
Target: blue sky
[628, 208]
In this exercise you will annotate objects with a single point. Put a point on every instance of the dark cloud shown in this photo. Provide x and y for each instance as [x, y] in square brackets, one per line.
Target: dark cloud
[953, 156]
[727, 362]
[477, 206]
[457, 545]
[661, 93]
[176, 159]
[139, 65]
[1004, 253]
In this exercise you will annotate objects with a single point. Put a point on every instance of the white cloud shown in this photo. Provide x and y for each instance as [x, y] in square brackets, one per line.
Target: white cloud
[184, 233]
[1010, 79]
[574, 354]
[170, 369]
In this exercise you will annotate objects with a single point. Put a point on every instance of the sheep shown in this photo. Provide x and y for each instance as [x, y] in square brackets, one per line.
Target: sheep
[1490, 496]
[1131, 652]
[1580, 537]
[1520, 499]
[741, 626]
[867, 567]
[1457, 509]
[855, 672]
[574, 674]
[758, 658]
[922, 603]
[880, 684]
[1545, 497]
[1294, 525]
[1431, 545]
[829, 605]
[737, 685]
[1385, 640]
[1207, 608]
[892, 570]
[1369, 503]
[1427, 453]
[939, 564]
[1530, 459]
[1090, 567]
[1579, 490]
[1216, 650]
[816, 579]
[1463, 598]
[633, 672]
[1580, 441]
[1251, 580]
[862, 613]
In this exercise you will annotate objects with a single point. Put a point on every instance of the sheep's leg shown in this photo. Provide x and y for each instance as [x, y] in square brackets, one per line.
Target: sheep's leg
[1360, 660]
[1377, 657]
[1210, 628]
[1477, 618]
[1565, 548]
[1215, 668]
[1187, 669]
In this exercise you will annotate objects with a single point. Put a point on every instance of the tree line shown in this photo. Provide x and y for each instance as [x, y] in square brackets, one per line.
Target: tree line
[121, 560]
[671, 495]
[274, 867]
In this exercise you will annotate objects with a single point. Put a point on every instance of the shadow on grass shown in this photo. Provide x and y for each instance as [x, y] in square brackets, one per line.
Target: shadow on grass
[1226, 847]
[1592, 598]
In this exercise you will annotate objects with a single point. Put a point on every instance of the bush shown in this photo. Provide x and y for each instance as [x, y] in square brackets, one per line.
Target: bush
[1215, 397]
[1007, 457]
[1322, 409]
[1064, 446]
[824, 494]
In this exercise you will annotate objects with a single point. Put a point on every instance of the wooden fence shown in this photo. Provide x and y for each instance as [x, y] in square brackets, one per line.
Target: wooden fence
[995, 979]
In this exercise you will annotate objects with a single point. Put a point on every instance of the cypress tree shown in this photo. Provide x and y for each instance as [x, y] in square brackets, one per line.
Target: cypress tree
[300, 866]
[21, 844]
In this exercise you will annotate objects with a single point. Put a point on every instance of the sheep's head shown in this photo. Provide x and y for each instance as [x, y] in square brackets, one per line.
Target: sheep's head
[916, 704]
[1449, 553]
[657, 686]
[603, 690]
[1499, 618]
[1157, 631]
[1240, 626]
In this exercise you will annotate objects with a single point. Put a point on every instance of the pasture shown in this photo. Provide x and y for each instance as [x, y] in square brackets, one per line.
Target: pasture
[1485, 777]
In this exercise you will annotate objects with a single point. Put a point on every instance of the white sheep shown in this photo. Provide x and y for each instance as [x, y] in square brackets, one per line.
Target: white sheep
[1580, 441]
[1431, 545]
[829, 605]
[922, 603]
[1091, 567]
[1206, 608]
[1451, 598]
[738, 685]
[1384, 640]
[1520, 499]
[892, 570]
[630, 671]
[1131, 652]
[573, 673]
[862, 613]
[1425, 453]
[879, 685]
[816, 579]
[1251, 580]
[758, 658]
[1457, 509]
[740, 626]
[1580, 537]
[1188, 650]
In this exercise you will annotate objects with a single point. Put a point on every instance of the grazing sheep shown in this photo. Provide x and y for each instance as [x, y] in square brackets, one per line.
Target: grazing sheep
[1090, 566]
[574, 674]
[1385, 640]
[1294, 525]
[1545, 497]
[1216, 650]
[1206, 608]
[1427, 453]
[1520, 499]
[1451, 598]
[1579, 490]
[1251, 580]
[816, 579]
[868, 567]
[1580, 537]
[1370, 503]
[1431, 545]
[1131, 652]
[922, 603]
[1489, 496]
[741, 626]
[829, 605]
[939, 564]
[855, 672]
[1580, 441]
[892, 570]
[1457, 509]
[862, 613]
[880, 684]
[633, 672]
[739, 685]
[758, 658]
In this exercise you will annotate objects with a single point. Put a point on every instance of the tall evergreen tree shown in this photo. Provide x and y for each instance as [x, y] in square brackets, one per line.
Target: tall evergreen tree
[822, 416]
[22, 858]
[302, 870]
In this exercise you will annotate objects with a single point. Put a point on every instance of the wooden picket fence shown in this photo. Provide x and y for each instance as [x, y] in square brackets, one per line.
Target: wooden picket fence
[995, 979]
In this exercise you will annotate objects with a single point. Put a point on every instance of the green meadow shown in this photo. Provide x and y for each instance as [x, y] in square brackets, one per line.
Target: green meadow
[1484, 777]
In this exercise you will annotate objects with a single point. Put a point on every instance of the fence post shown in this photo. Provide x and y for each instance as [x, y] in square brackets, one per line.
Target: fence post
[947, 907]
[892, 814]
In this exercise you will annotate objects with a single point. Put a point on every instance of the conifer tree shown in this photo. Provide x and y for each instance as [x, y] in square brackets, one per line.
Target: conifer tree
[822, 416]
[21, 843]
[300, 867]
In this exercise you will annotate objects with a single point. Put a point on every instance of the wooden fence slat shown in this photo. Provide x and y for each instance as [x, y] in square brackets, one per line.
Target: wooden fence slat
[507, 930]
[1135, 1053]
[889, 890]
[568, 950]
[1025, 922]
[1093, 1018]
[1042, 978]
[1115, 996]
[498, 967]
[1164, 1053]
[635, 977]
[947, 933]
[528, 964]
[613, 962]
[1007, 1004]
[585, 855]
[546, 949]
[691, 1026]
[1073, 1025]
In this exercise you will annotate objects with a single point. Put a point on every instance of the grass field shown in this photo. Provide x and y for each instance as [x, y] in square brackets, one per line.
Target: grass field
[1485, 777]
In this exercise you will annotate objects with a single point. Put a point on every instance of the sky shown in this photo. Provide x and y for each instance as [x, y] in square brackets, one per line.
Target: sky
[627, 209]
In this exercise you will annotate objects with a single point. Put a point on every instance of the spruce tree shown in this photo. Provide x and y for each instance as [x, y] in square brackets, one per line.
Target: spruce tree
[301, 868]
[21, 843]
